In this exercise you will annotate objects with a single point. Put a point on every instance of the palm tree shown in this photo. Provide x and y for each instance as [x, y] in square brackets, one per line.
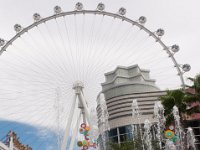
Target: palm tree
[183, 100]
[171, 99]
[193, 94]
[195, 88]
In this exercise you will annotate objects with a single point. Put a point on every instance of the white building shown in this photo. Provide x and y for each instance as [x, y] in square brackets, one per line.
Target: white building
[120, 88]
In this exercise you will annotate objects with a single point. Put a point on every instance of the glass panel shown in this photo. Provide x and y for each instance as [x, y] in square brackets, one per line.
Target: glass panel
[113, 132]
[125, 129]
[126, 137]
[123, 138]
[114, 139]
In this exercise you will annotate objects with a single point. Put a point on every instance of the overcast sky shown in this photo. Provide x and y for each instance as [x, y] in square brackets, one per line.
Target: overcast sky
[179, 18]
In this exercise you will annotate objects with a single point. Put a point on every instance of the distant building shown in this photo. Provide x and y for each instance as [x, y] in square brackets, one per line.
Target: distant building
[120, 88]
[3, 146]
[195, 116]
[193, 121]
[11, 142]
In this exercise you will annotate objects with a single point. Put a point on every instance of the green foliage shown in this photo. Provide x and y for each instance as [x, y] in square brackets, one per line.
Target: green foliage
[171, 99]
[196, 83]
[183, 100]
[135, 144]
[128, 145]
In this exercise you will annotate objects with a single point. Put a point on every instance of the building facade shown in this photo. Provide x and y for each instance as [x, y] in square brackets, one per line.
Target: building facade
[12, 142]
[120, 88]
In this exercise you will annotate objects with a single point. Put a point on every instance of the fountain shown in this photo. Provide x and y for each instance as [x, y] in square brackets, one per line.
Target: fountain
[105, 125]
[160, 125]
[168, 139]
[147, 135]
[170, 145]
[178, 129]
[136, 113]
[93, 118]
[190, 139]
[175, 141]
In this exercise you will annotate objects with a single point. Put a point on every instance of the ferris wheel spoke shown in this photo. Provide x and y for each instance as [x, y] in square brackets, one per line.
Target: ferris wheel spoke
[44, 55]
[105, 38]
[28, 116]
[39, 121]
[120, 41]
[21, 73]
[64, 46]
[39, 56]
[76, 47]
[56, 47]
[22, 60]
[69, 43]
[114, 36]
[20, 76]
[40, 124]
[47, 43]
[82, 48]
[152, 59]
[100, 64]
[88, 44]
[24, 103]
[115, 57]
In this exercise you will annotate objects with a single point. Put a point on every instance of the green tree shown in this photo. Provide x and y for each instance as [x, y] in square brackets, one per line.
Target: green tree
[193, 95]
[135, 144]
[195, 88]
[183, 100]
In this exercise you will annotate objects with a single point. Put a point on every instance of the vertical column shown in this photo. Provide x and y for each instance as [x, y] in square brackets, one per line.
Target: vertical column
[75, 132]
[66, 135]
[86, 112]
[118, 134]
[11, 146]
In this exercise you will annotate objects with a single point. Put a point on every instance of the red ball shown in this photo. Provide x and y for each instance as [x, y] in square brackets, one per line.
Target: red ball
[83, 125]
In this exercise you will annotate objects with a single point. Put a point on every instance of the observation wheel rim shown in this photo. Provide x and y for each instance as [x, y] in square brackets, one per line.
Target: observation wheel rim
[104, 13]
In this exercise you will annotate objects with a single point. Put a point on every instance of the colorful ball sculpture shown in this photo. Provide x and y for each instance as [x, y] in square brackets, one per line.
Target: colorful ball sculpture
[86, 143]
[87, 137]
[169, 134]
[79, 143]
[176, 140]
[81, 130]
[83, 125]
[87, 128]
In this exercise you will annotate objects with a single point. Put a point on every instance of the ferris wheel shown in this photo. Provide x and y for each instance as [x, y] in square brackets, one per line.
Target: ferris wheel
[52, 70]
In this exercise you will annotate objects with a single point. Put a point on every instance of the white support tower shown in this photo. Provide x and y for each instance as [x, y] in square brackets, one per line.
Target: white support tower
[82, 105]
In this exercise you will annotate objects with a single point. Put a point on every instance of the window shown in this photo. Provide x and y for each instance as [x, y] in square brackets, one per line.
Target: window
[125, 129]
[113, 132]
[125, 133]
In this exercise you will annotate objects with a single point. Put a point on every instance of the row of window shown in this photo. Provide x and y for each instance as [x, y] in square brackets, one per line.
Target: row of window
[121, 134]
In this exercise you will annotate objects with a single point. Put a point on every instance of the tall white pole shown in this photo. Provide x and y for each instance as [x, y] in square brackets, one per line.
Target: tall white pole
[75, 132]
[66, 135]
[83, 101]
[11, 147]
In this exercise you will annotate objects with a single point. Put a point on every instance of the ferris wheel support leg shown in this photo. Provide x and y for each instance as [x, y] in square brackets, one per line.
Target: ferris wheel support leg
[11, 147]
[66, 135]
[75, 132]
[86, 111]
[83, 113]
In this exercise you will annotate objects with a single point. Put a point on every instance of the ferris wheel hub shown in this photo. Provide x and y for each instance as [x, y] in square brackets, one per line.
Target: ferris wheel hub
[78, 86]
